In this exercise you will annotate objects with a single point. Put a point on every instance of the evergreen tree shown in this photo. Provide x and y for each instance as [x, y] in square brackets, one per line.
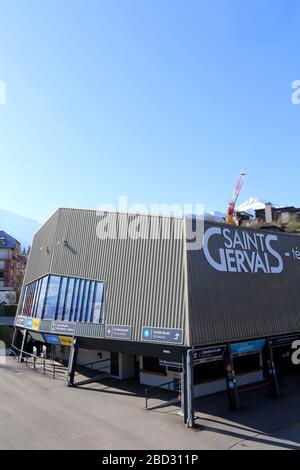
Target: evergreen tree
[294, 224]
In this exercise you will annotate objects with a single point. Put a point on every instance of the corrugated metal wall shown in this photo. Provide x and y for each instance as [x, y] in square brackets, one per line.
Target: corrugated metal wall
[41, 252]
[226, 306]
[144, 279]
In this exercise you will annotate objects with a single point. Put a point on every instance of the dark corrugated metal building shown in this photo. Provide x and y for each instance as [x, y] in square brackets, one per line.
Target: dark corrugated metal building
[140, 286]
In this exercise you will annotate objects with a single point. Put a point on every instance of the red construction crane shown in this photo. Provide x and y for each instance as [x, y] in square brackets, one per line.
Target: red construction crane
[230, 211]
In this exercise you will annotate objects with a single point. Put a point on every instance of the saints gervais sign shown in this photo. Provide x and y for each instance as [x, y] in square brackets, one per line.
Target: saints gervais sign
[242, 251]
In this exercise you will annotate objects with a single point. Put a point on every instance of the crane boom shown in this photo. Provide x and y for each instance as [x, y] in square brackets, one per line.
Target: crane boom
[236, 192]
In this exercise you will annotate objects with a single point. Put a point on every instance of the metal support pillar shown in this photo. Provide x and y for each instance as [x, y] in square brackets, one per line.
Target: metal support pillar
[271, 371]
[190, 389]
[232, 391]
[14, 337]
[184, 390]
[22, 347]
[72, 363]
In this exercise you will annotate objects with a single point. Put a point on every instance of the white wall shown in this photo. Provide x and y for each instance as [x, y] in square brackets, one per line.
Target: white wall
[126, 362]
[126, 366]
[86, 356]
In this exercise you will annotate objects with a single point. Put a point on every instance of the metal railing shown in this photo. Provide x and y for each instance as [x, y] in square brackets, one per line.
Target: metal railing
[91, 367]
[38, 362]
[158, 391]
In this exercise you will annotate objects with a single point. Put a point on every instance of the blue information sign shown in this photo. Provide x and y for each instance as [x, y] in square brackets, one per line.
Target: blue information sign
[247, 347]
[51, 339]
[28, 323]
[162, 335]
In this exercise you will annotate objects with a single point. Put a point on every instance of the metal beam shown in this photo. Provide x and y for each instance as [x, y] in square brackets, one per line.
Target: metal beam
[72, 362]
[271, 371]
[20, 359]
[190, 389]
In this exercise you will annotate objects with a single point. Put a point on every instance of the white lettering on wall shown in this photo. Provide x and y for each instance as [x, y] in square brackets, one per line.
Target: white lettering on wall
[242, 251]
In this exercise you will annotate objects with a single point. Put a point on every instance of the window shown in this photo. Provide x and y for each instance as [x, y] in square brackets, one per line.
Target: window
[40, 304]
[79, 300]
[74, 299]
[68, 299]
[51, 298]
[98, 307]
[90, 302]
[61, 299]
[64, 298]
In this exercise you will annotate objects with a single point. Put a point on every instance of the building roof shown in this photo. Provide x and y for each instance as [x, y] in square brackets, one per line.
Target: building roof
[280, 210]
[7, 241]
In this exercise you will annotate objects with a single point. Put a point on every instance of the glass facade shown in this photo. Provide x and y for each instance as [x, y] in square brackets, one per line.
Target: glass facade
[64, 298]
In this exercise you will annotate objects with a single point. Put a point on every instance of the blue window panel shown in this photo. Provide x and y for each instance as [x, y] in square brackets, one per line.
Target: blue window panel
[90, 302]
[84, 300]
[27, 309]
[36, 297]
[61, 298]
[51, 298]
[41, 301]
[74, 299]
[64, 298]
[98, 304]
[79, 300]
[30, 296]
[68, 299]
[23, 310]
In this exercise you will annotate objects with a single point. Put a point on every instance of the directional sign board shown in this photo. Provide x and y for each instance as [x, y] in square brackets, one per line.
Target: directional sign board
[66, 328]
[166, 362]
[284, 340]
[118, 332]
[214, 353]
[20, 321]
[162, 335]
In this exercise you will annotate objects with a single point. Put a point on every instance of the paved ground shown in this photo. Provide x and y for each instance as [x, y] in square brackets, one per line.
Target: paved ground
[37, 412]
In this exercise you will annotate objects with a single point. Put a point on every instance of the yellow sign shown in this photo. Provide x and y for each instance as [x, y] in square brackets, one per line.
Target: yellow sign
[66, 340]
[35, 324]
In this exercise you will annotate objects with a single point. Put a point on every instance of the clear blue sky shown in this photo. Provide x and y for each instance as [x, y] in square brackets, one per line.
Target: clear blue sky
[162, 101]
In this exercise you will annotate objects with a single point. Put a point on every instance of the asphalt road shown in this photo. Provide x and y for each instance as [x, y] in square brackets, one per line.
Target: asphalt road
[37, 412]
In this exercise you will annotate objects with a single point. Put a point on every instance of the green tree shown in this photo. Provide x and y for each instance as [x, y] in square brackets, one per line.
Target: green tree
[294, 224]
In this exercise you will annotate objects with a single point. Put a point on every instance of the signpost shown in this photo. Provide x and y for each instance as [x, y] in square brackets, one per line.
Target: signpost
[118, 332]
[166, 362]
[162, 335]
[66, 328]
[203, 355]
[286, 340]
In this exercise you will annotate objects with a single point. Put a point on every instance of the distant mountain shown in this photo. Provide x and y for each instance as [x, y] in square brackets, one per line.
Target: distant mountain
[19, 227]
[251, 205]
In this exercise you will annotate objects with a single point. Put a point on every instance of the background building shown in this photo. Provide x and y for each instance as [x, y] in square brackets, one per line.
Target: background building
[12, 263]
